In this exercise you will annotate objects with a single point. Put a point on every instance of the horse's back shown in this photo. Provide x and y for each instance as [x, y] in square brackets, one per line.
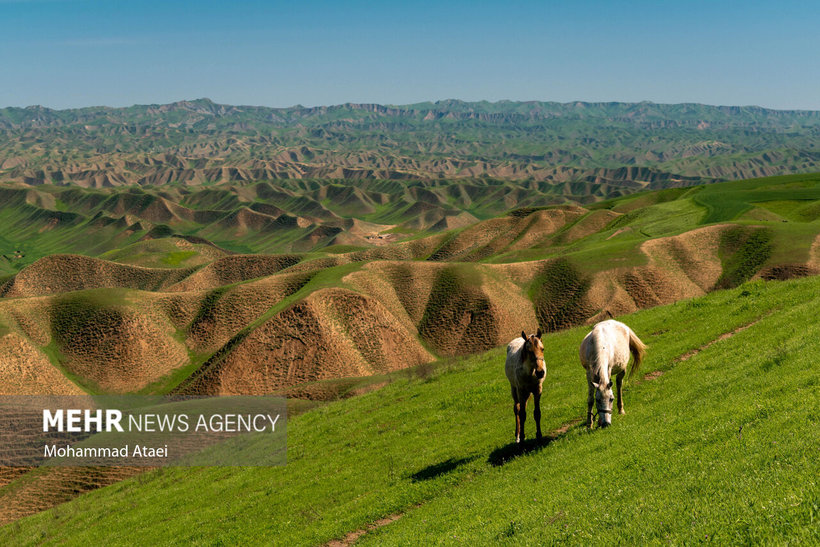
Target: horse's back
[608, 337]
[515, 345]
[583, 350]
[610, 332]
[514, 361]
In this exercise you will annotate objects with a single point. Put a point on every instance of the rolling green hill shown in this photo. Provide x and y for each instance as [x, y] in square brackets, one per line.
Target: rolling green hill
[176, 226]
[719, 443]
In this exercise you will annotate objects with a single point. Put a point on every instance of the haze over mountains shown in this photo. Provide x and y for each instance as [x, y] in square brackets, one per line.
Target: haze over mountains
[613, 148]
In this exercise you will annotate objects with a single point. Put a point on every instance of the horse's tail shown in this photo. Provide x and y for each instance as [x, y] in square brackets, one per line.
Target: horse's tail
[638, 350]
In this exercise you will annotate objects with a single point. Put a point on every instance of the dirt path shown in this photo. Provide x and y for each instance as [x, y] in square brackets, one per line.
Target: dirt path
[555, 433]
[655, 374]
[726, 335]
[353, 537]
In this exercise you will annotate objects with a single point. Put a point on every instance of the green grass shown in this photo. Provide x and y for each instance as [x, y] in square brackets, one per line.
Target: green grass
[167, 383]
[743, 251]
[441, 440]
[668, 213]
[721, 447]
[725, 202]
[342, 249]
[178, 257]
[668, 217]
[788, 209]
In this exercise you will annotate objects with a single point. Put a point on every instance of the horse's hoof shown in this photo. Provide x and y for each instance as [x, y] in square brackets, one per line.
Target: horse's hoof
[517, 440]
[622, 412]
[539, 436]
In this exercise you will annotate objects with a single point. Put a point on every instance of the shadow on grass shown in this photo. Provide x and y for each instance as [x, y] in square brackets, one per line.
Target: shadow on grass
[508, 452]
[439, 469]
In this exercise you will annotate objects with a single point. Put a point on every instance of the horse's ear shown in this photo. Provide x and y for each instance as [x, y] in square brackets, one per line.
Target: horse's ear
[523, 335]
[538, 334]
[596, 385]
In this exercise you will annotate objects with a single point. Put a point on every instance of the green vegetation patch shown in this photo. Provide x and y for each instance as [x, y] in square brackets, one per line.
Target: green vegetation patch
[743, 252]
[727, 201]
[176, 258]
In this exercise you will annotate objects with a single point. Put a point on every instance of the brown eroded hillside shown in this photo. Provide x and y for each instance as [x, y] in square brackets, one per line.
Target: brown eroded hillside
[256, 323]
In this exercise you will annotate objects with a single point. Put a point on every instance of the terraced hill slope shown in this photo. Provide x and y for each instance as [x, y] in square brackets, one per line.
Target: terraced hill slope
[609, 148]
[176, 312]
[134, 224]
[719, 444]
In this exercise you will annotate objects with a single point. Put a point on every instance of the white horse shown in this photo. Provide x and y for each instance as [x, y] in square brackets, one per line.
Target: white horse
[525, 370]
[604, 352]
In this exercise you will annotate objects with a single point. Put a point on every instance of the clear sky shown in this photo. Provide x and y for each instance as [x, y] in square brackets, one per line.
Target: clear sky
[72, 53]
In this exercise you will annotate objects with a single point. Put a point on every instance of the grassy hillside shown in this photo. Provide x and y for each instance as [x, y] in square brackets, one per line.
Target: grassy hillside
[719, 443]
[182, 227]
[175, 226]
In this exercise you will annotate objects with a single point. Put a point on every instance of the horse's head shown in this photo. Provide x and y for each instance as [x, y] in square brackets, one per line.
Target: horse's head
[534, 349]
[603, 403]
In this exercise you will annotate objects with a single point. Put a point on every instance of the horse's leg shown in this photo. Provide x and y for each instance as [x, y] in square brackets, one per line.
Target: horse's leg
[590, 401]
[516, 411]
[536, 411]
[522, 414]
[619, 382]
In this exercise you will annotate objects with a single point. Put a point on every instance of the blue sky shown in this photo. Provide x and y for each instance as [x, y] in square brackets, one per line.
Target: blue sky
[72, 53]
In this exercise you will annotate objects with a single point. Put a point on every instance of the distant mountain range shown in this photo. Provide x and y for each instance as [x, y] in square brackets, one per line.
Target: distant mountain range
[623, 146]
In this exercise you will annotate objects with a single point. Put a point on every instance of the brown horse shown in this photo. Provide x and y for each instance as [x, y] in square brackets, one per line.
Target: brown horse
[525, 370]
